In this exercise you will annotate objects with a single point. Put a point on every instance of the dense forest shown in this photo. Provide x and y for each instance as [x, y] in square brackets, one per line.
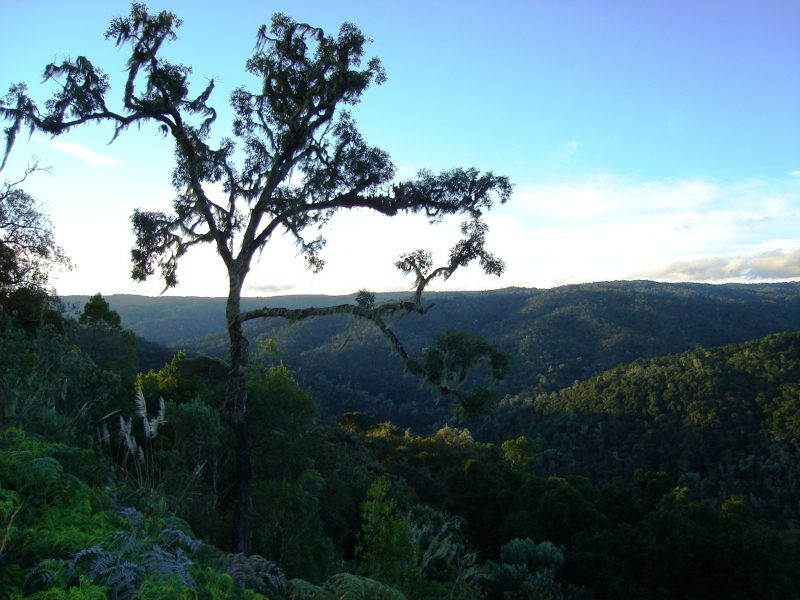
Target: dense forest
[665, 477]
[555, 336]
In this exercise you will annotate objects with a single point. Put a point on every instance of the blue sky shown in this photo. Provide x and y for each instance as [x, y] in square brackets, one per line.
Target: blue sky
[655, 139]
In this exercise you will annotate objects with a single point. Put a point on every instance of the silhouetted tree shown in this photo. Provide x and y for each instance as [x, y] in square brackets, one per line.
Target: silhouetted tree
[28, 254]
[303, 160]
[97, 313]
[27, 247]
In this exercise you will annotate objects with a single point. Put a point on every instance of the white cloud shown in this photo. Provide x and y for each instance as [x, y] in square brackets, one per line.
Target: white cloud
[795, 173]
[776, 264]
[601, 228]
[610, 228]
[267, 290]
[83, 153]
[606, 196]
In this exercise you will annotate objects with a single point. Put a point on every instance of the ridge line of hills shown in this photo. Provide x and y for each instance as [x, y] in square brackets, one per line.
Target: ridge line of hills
[554, 337]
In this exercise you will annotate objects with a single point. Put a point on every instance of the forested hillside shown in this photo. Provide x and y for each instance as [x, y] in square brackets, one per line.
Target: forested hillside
[720, 421]
[667, 478]
[554, 337]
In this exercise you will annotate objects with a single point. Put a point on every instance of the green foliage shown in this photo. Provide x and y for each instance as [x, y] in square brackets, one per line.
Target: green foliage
[287, 489]
[344, 586]
[101, 336]
[147, 549]
[45, 511]
[185, 378]
[554, 338]
[28, 251]
[85, 590]
[50, 387]
[688, 549]
[97, 313]
[526, 570]
[453, 356]
[718, 420]
[386, 551]
[284, 413]
[289, 528]
[252, 572]
[197, 433]
[519, 451]
[166, 589]
[459, 517]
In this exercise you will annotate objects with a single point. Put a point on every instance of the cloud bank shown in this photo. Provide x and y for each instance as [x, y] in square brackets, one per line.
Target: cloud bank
[772, 265]
[602, 227]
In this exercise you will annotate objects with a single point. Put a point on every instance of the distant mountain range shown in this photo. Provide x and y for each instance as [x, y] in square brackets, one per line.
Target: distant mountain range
[553, 337]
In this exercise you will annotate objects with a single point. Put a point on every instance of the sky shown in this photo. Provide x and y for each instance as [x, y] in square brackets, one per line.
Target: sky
[645, 140]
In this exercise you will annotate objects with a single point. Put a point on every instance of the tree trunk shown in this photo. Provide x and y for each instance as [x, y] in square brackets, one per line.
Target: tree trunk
[236, 415]
[243, 530]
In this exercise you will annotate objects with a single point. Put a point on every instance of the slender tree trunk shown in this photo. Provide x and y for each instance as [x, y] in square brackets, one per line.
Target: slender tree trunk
[236, 415]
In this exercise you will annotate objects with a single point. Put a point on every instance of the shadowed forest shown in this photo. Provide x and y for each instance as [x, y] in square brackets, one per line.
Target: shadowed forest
[662, 476]
[607, 440]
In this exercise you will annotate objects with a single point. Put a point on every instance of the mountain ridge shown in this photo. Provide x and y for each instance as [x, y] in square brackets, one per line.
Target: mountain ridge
[554, 336]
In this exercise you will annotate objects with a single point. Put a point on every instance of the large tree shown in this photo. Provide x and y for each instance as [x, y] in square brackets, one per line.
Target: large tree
[27, 248]
[295, 158]
[28, 252]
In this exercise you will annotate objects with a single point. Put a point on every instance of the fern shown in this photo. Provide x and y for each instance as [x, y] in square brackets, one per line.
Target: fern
[254, 572]
[43, 479]
[344, 586]
[347, 586]
[299, 589]
[44, 572]
[164, 564]
[133, 555]
[123, 577]
[82, 554]
[174, 537]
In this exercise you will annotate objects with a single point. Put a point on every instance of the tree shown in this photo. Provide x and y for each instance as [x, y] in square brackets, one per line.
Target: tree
[28, 251]
[102, 337]
[300, 159]
[97, 313]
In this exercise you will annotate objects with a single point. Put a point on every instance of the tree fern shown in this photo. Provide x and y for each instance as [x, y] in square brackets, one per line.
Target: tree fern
[254, 572]
[138, 552]
[299, 589]
[344, 586]
[165, 564]
[444, 556]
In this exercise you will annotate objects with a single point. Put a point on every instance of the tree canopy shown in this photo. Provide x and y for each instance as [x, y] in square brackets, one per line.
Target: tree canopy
[28, 250]
[295, 158]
